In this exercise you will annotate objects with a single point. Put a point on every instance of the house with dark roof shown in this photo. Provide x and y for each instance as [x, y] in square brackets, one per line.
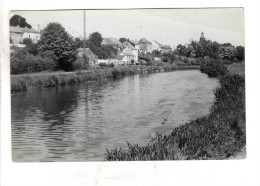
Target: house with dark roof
[145, 45]
[18, 34]
[93, 59]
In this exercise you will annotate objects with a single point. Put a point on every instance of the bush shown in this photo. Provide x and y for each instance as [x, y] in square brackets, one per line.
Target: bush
[102, 64]
[23, 62]
[111, 65]
[213, 68]
[81, 63]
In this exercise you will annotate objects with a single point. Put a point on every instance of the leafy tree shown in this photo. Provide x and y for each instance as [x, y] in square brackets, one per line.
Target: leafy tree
[55, 38]
[227, 52]
[27, 41]
[79, 43]
[181, 49]
[123, 39]
[156, 53]
[30, 46]
[240, 53]
[18, 20]
[95, 39]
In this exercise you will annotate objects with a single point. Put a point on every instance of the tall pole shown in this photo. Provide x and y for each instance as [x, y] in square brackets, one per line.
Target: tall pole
[84, 28]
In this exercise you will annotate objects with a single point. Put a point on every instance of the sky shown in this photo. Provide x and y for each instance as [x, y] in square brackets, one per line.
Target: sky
[166, 26]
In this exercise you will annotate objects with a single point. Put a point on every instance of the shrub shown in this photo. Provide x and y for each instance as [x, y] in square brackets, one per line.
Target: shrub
[111, 65]
[213, 68]
[23, 62]
[102, 64]
[81, 63]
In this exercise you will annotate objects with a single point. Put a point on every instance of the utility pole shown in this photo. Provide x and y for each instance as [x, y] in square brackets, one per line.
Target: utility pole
[19, 21]
[84, 29]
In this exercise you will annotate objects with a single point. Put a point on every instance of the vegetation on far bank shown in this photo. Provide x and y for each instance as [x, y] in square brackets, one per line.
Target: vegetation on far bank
[219, 135]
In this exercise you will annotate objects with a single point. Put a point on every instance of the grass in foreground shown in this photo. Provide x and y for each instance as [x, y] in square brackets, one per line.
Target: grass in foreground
[219, 135]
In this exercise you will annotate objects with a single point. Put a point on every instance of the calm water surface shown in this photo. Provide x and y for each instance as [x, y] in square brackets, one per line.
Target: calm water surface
[78, 123]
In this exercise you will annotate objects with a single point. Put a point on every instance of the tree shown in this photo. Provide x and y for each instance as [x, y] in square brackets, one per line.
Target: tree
[55, 38]
[123, 39]
[27, 41]
[17, 20]
[156, 53]
[181, 49]
[227, 52]
[79, 43]
[240, 53]
[95, 39]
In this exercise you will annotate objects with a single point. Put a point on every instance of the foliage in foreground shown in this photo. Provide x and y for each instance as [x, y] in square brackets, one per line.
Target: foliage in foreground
[216, 136]
[213, 68]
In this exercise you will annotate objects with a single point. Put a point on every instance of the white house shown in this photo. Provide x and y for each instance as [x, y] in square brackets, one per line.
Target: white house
[18, 34]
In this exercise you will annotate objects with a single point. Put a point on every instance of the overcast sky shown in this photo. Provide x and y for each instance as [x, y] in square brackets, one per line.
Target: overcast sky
[167, 26]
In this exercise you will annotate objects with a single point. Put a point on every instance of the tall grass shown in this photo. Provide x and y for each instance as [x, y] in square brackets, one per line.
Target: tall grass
[26, 82]
[44, 80]
[216, 136]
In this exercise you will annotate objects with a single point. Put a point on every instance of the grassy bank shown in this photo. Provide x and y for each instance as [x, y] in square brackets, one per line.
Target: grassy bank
[27, 82]
[44, 80]
[219, 135]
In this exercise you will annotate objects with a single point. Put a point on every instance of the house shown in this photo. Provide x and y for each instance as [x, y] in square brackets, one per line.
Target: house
[18, 34]
[129, 48]
[166, 48]
[145, 45]
[160, 47]
[110, 41]
[156, 45]
[93, 59]
[126, 58]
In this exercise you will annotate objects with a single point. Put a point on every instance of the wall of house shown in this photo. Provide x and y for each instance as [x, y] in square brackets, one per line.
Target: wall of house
[33, 36]
[145, 47]
[16, 37]
[135, 52]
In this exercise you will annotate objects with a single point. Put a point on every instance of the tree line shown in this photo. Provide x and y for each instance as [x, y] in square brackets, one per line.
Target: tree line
[57, 50]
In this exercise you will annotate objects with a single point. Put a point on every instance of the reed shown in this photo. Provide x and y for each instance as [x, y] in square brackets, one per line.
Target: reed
[25, 82]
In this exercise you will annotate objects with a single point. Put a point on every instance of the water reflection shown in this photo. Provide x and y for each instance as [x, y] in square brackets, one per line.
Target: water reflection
[78, 123]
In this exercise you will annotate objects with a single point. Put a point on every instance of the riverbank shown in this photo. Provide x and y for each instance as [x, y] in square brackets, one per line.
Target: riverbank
[25, 82]
[220, 135]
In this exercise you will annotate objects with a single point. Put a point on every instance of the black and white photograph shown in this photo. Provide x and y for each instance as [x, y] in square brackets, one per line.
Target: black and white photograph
[133, 93]
[127, 85]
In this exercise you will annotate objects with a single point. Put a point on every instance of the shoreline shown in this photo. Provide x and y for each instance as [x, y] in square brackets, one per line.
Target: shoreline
[220, 135]
[27, 82]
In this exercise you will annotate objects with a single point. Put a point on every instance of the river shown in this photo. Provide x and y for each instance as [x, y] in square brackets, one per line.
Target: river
[78, 123]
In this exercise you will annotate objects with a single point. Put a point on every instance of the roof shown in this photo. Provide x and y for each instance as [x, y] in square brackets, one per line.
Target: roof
[135, 42]
[22, 30]
[29, 30]
[129, 45]
[143, 40]
[166, 46]
[120, 57]
[111, 41]
[16, 29]
[87, 51]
